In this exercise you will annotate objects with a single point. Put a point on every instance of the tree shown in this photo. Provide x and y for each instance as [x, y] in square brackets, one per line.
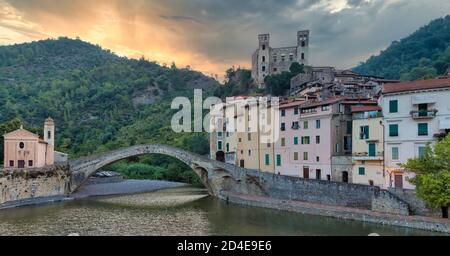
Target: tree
[432, 178]
[278, 84]
[296, 68]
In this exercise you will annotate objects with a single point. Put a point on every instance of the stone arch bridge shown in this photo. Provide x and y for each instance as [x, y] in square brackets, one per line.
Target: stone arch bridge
[216, 176]
[225, 181]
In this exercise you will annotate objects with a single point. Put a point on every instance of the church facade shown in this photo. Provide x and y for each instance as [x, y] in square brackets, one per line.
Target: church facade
[24, 149]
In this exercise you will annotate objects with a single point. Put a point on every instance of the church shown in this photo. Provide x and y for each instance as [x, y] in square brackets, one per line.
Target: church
[24, 149]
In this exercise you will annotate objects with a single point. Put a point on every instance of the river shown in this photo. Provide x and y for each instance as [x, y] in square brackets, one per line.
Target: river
[176, 211]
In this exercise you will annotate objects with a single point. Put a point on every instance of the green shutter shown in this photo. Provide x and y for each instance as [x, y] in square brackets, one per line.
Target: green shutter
[267, 159]
[278, 160]
[219, 146]
[393, 106]
[295, 140]
[372, 149]
[421, 151]
[395, 152]
[423, 129]
[367, 132]
[393, 130]
[362, 171]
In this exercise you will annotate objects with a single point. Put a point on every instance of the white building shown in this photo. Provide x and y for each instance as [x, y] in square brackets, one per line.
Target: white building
[415, 114]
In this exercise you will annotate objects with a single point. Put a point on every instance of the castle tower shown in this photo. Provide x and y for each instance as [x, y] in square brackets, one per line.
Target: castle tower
[49, 131]
[263, 57]
[303, 47]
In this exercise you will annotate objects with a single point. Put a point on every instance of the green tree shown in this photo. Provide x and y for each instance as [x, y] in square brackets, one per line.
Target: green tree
[296, 68]
[432, 178]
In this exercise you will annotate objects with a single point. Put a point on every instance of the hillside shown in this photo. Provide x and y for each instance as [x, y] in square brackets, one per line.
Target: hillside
[423, 54]
[99, 101]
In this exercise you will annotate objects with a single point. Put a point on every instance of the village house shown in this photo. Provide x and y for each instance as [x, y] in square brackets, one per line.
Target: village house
[368, 146]
[415, 114]
[24, 149]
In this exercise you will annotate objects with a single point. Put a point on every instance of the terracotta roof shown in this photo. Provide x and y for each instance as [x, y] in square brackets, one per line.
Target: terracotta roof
[417, 85]
[291, 104]
[365, 108]
[315, 103]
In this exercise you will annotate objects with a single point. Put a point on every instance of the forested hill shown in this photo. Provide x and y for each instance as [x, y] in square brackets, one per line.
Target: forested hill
[423, 54]
[99, 100]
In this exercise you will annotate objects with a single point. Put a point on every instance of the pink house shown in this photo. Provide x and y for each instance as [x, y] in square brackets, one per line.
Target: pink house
[24, 149]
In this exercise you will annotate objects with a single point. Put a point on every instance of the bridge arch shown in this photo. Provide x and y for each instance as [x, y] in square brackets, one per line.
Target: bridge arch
[85, 167]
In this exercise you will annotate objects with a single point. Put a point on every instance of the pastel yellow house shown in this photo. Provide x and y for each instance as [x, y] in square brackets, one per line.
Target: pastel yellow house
[368, 143]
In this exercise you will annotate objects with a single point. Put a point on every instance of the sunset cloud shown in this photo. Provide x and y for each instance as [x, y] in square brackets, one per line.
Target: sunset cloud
[212, 35]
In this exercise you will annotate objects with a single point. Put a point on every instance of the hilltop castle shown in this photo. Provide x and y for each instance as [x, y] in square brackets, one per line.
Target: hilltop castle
[268, 61]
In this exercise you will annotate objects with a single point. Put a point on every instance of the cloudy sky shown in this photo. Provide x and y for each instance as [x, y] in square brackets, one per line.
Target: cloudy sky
[212, 35]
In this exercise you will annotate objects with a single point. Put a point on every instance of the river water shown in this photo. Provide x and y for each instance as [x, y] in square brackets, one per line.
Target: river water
[177, 211]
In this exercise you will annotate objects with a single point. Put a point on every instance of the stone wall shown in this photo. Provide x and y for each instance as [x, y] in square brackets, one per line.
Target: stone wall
[40, 182]
[386, 202]
[417, 205]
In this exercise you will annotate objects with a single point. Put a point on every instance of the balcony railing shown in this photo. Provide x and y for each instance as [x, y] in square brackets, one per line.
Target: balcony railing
[364, 156]
[423, 114]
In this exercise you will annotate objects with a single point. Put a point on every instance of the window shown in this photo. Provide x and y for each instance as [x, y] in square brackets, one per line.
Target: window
[21, 145]
[274, 58]
[317, 124]
[305, 125]
[283, 127]
[306, 140]
[423, 129]
[372, 149]
[337, 148]
[11, 163]
[282, 58]
[305, 156]
[393, 130]
[291, 57]
[393, 106]
[264, 58]
[295, 126]
[362, 171]
[219, 145]
[263, 47]
[295, 140]
[228, 147]
[49, 134]
[278, 160]
[30, 163]
[421, 152]
[275, 69]
[317, 159]
[317, 139]
[264, 68]
[303, 56]
[329, 177]
[283, 142]
[395, 153]
[364, 132]
[325, 108]
[349, 127]
[240, 139]
[267, 159]
[249, 137]
[295, 111]
[348, 143]
[249, 153]
[283, 112]
[295, 156]
[219, 134]
[303, 43]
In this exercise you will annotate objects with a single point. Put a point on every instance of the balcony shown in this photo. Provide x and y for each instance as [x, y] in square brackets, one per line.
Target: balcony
[423, 114]
[364, 156]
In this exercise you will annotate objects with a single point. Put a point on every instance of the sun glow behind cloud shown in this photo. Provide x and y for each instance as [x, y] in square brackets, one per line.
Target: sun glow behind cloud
[211, 36]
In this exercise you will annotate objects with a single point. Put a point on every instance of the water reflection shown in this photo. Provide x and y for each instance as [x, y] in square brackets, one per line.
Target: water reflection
[180, 211]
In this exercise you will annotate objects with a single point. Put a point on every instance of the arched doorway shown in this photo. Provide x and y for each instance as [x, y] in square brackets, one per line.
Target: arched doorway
[220, 156]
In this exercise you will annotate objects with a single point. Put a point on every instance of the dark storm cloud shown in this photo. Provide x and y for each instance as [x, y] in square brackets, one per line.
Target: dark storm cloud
[224, 33]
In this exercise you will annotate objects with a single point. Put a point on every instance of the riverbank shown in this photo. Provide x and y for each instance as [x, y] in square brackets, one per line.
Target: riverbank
[345, 213]
[100, 187]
